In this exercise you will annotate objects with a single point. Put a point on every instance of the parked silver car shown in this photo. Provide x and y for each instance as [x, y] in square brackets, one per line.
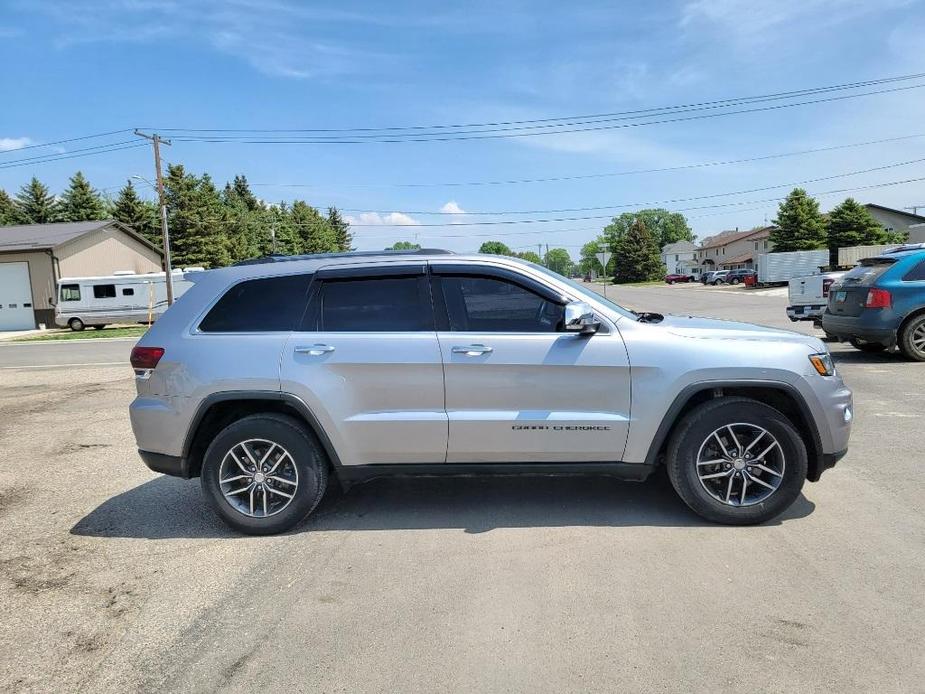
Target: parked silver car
[269, 378]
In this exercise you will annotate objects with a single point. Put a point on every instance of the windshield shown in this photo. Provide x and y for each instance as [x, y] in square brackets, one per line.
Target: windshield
[584, 291]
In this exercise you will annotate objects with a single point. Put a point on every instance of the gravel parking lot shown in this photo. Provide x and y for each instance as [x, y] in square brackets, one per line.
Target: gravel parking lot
[115, 579]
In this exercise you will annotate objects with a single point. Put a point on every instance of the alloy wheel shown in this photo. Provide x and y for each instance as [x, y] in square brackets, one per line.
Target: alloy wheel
[740, 464]
[258, 478]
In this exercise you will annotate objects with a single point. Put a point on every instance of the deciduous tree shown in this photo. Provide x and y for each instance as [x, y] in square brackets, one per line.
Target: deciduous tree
[495, 248]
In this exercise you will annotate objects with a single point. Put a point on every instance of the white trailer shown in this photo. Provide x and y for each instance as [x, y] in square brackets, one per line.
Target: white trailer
[780, 268]
[849, 256]
[123, 297]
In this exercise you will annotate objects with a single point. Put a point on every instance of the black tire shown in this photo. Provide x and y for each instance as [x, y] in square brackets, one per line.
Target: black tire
[910, 339]
[99, 327]
[735, 280]
[697, 426]
[76, 324]
[307, 455]
[866, 346]
[669, 281]
[829, 337]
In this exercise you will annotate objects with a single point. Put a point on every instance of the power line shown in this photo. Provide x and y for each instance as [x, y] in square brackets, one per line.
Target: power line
[607, 216]
[60, 157]
[650, 202]
[61, 154]
[501, 134]
[579, 177]
[70, 139]
[566, 120]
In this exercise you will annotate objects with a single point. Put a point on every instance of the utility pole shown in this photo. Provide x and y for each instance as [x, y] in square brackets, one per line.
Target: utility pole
[156, 140]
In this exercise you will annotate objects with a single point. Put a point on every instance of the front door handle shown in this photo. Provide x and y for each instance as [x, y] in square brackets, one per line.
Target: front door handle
[314, 350]
[473, 350]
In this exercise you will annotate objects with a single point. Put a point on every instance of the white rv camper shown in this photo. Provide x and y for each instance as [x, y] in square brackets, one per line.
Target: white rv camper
[120, 298]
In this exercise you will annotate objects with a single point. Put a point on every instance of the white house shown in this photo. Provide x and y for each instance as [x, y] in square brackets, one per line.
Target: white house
[678, 257]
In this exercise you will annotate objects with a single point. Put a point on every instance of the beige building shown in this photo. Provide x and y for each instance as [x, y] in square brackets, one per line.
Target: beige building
[34, 256]
[733, 249]
[899, 220]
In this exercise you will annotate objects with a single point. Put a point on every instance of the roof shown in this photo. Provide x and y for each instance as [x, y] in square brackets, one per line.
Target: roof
[726, 237]
[735, 260]
[36, 237]
[915, 217]
[679, 247]
[348, 254]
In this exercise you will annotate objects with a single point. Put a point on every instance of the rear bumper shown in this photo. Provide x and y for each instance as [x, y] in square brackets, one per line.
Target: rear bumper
[174, 466]
[869, 326]
[811, 312]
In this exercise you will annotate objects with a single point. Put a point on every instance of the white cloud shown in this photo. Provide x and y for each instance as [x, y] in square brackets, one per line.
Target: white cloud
[376, 219]
[8, 144]
[452, 207]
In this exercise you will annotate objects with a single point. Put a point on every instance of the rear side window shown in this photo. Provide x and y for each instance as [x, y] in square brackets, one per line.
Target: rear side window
[70, 292]
[865, 275]
[383, 304]
[916, 273]
[271, 304]
[104, 291]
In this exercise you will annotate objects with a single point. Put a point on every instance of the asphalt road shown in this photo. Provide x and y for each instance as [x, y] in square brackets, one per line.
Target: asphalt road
[65, 353]
[114, 579]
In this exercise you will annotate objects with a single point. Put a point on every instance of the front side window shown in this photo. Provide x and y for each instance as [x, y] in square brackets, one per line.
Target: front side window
[489, 304]
[380, 304]
[104, 291]
[271, 304]
[70, 292]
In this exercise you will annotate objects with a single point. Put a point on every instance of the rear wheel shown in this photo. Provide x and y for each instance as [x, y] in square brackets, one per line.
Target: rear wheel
[912, 339]
[865, 346]
[264, 473]
[734, 280]
[76, 324]
[737, 461]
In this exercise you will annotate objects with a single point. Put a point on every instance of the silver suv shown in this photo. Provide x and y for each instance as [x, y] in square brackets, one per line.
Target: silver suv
[269, 378]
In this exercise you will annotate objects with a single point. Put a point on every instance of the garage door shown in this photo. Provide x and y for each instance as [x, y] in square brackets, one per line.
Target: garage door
[15, 297]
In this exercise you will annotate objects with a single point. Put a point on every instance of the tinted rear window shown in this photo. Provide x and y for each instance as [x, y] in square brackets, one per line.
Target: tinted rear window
[865, 275]
[376, 305]
[265, 305]
[916, 273]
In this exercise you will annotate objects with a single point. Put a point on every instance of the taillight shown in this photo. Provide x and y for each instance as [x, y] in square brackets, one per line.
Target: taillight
[146, 357]
[825, 286]
[878, 298]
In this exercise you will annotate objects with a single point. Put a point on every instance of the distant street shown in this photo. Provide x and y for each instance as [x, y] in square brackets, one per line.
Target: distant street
[65, 353]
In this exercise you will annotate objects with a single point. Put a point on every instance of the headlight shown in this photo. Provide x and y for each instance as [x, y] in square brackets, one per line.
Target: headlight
[823, 363]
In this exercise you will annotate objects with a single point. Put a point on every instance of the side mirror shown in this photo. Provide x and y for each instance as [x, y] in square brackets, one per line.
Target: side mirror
[579, 317]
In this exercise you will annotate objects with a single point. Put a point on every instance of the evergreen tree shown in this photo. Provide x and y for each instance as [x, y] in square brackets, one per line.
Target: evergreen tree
[239, 192]
[341, 230]
[35, 205]
[637, 255]
[197, 219]
[800, 226]
[316, 232]
[285, 238]
[80, 203]
[495, 248]
[140, 215]
[850, 224]
[8, 212]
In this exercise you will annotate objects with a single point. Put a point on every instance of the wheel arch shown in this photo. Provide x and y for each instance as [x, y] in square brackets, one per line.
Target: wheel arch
[917, 313]
[218, 410]
[781, 396]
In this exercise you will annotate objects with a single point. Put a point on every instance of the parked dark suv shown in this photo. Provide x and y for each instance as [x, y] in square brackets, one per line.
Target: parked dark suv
[881, 304]
[738, 276]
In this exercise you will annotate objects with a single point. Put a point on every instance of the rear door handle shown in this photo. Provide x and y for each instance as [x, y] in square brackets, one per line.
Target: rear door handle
[472, 350]
[313, 350]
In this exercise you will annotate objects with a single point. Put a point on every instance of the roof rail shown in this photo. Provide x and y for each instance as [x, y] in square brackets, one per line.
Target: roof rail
[277, 258]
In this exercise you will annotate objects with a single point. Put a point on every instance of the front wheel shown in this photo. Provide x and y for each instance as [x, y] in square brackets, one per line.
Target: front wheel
[737, 461]
[865, 346]
[264, 473]
[735, 280]
[76, 324]
[912, 339]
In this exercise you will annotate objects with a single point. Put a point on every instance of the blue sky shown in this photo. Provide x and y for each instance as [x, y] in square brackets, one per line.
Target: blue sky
[87, 66]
